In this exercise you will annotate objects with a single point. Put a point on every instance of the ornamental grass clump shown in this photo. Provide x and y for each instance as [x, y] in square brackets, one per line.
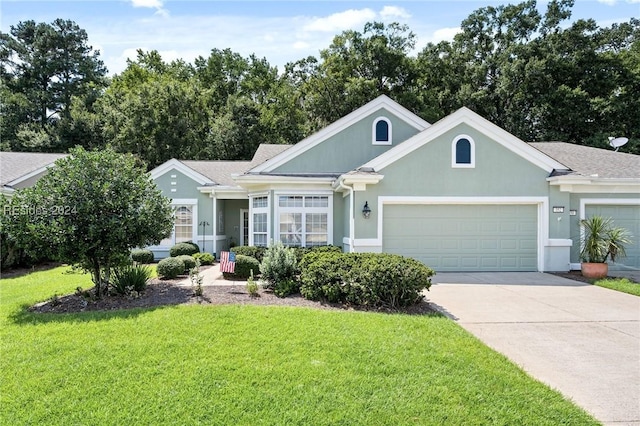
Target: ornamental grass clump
[130, 279]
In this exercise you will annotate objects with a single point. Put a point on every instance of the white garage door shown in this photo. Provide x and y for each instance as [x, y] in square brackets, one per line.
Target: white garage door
[464, 237]
[626, 216]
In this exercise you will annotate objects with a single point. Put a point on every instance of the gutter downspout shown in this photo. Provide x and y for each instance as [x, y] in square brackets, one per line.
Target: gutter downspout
[215, 224]
[352, 221]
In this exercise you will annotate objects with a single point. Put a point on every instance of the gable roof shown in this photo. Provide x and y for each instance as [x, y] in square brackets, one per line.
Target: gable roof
[16, 167]
[466, 116]
[218, 172]
[592, 162]
[339, 125]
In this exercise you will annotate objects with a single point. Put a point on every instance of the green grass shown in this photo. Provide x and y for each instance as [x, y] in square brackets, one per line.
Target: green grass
[251, 365]
[620, 284]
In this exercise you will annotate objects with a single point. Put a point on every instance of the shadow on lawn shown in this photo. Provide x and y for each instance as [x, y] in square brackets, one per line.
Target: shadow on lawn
[76, 308]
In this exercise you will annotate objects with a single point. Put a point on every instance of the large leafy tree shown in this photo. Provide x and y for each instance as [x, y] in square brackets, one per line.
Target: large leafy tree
[355, 68]
[43, 67]
[89, 210]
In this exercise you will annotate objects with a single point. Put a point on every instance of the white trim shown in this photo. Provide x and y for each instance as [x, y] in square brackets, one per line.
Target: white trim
[541, 202]
[454, 153]
[259, 210]
[31, 174]
[341, 124]
[241, 239]
[605, 201]
[174, 164]
[465, 115]
[559, 242]
[303, 210]
[374, 133]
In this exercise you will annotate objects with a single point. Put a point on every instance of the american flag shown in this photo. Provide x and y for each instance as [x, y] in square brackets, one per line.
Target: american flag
[227, 261]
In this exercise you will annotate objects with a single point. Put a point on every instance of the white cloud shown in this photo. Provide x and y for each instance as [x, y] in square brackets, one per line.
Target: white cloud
[156, 4]
[153, 4]
[394, 12]
[443, 34]
[608, 2]
[341, 21]
[300, 45]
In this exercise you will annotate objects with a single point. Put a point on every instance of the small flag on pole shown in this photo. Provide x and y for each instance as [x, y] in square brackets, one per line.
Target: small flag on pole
[227, 262]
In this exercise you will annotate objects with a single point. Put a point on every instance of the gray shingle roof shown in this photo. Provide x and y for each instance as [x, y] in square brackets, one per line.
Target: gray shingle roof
[592, 162]
[220, 171]
[14, 165]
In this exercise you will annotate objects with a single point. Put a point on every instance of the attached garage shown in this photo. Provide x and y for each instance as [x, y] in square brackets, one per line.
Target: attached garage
[464, 237]
[626, 216]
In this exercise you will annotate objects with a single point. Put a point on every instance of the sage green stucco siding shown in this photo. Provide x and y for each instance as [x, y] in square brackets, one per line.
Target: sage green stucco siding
[464, 238]
[349, 148]
[456, 219]
[497, 172]
[187, 189]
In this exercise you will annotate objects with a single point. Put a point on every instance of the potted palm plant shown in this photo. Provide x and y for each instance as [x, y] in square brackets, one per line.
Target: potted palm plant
[600, 241]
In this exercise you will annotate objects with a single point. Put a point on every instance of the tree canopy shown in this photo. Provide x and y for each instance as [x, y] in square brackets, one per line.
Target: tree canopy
[90, 210]
[531, 73]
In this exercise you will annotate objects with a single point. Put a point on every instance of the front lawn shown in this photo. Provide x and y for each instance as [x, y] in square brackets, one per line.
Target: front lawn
[252, 365]
[620, 284]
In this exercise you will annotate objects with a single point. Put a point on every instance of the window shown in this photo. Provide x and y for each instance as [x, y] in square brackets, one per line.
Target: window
[381, 131]
[304, 220]
[259, 221]
[183, 225]
[463, 152]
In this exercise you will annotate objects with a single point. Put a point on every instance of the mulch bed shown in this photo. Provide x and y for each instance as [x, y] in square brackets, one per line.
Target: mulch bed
[168, 292]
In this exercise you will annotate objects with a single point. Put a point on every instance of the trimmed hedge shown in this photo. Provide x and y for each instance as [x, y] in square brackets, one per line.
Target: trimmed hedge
[170, 267]
[244, 266]
[251, 251]
[300, 252]
[205, 258]
[142, 256]
[181, 249]
[189, 262]
[364, 279]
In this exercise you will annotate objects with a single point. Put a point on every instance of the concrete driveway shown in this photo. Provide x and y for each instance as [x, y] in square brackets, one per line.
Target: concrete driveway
[580, 339]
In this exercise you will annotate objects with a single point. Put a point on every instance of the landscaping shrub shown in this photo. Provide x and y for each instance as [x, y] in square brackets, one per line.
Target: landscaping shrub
[300, 252]
[244, 266]
[278, 264]
[189, 262]
[364, 279]
[252, 251]
[194, 245]
[205, 258]
[129, 279]
[286, 287]
[183, 248]
[142, 256]
[170, 267]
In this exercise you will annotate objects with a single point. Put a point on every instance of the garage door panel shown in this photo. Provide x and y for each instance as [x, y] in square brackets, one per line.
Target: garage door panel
[628, 217]
[464, 237]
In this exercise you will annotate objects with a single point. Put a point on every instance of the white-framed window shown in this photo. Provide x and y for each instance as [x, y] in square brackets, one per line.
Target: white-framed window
[185, 213]
[463, 152]
[259, 220]
[381, 131]
[304, 220]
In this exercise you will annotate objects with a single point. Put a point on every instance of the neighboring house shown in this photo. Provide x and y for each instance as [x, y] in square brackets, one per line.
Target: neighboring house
[461, 194]
[23, 169]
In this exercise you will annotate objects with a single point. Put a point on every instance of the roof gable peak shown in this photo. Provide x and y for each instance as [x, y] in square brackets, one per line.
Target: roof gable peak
[381, 101]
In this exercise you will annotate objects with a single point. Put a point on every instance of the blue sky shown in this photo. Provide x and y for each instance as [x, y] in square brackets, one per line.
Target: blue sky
[281, 31]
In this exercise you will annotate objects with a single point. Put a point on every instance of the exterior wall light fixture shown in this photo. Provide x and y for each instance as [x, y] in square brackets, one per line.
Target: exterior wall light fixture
[366, 210]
